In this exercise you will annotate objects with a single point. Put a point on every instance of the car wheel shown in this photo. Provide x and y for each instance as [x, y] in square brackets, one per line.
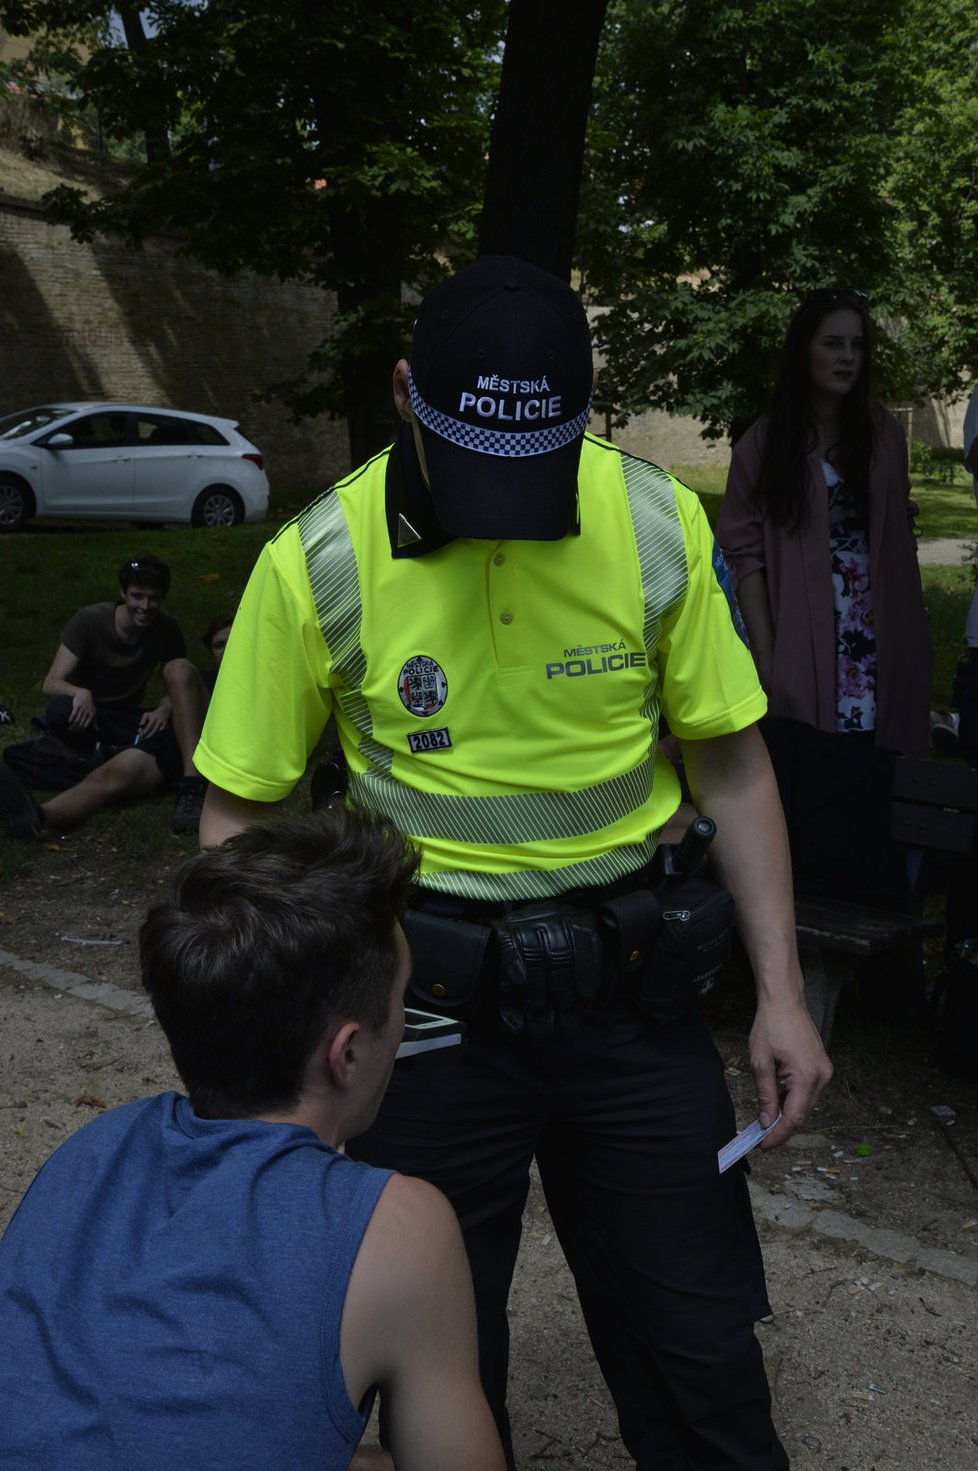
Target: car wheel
[16, 503]
[217, 506]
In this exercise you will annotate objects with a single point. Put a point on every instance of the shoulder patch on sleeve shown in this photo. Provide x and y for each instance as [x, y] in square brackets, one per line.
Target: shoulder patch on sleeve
[722, 574]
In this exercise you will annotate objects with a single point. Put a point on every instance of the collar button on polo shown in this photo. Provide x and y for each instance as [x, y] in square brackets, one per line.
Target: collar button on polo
[505, 616]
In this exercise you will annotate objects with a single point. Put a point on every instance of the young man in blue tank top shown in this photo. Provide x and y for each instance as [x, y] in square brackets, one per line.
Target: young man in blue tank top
[208, 1280]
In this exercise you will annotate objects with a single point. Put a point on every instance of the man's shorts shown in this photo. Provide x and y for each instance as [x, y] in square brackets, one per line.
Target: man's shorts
[114, 731]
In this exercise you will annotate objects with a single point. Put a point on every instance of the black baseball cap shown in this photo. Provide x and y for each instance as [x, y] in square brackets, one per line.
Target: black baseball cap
[500, 375]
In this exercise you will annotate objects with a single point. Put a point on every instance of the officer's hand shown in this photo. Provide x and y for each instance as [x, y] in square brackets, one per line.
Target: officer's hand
[789, 1063]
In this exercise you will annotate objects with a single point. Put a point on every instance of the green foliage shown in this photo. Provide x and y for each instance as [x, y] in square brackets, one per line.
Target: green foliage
[742, 155]
[341, 144]
[738, 156]
[936, 462]
[931, 185]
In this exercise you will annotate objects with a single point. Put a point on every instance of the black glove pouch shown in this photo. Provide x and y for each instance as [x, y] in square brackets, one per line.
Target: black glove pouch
[673, 940]
[449, 955]
[548, 965]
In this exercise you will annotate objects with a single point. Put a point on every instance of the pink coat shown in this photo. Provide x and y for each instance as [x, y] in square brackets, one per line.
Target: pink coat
[800, 592]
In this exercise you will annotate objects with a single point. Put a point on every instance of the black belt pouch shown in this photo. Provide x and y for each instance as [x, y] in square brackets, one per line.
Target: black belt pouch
[449, 955]
[691, 948]
[672, 941]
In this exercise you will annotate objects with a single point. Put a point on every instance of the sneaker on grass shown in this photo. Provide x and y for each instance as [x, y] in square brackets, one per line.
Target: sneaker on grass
[20, 815]
[190, 802]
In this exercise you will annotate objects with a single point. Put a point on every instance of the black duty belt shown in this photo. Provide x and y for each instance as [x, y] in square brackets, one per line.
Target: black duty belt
[533, 968]
[484, 911]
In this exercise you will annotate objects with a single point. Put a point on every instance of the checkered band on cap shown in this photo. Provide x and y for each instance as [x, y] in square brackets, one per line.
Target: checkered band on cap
[502, 442]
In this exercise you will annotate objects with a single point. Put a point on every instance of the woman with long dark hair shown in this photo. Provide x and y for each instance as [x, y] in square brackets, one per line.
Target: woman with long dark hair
[816, 529]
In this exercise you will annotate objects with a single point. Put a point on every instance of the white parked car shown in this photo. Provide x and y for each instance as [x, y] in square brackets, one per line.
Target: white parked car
[127, 462]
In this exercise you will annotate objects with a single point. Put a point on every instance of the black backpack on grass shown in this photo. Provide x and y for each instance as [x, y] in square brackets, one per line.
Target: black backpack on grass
[49, 763]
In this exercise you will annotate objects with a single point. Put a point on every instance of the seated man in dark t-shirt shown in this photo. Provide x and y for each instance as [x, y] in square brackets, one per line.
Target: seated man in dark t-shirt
[96, 686]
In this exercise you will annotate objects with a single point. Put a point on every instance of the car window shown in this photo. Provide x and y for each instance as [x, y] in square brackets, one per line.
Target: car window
[15, 426]
[168, 429]
[99, 431]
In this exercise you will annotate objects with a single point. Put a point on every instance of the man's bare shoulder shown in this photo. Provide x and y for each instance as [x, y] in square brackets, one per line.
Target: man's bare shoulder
[412, 1223]
[411, 1262]
[409, 1328]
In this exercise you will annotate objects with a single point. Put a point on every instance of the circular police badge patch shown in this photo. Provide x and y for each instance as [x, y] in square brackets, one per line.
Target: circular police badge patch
[422, 686]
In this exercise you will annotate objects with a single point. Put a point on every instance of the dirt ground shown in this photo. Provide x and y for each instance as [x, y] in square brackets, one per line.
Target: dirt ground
[869, 1220]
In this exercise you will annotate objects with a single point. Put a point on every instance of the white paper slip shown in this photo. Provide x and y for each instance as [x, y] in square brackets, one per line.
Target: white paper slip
[745, 1141]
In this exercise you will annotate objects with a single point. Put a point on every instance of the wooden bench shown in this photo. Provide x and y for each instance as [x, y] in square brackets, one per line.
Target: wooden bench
[933, 809]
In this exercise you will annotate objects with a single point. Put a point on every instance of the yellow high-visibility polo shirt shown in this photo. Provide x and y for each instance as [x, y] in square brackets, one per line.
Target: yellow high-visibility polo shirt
[499, 700]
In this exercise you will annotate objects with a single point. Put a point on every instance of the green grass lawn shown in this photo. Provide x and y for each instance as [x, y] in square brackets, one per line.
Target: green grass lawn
[947, 593]
[945, 509]
[48, 573]
[56, 568]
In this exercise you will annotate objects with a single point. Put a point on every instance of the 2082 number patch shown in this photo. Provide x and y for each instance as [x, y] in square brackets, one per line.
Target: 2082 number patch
[429, 740]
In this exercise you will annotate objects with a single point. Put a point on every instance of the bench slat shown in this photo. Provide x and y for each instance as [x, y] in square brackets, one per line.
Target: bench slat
[939, 783]
[932, 827]
[856, 929]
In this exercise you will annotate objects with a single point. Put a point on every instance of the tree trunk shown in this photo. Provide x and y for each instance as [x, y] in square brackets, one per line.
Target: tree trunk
[362, 241]
[537, 148]
[366, 249]
[155, 136]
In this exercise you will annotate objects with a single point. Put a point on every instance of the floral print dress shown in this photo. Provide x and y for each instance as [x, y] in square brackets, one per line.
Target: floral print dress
[855, 636]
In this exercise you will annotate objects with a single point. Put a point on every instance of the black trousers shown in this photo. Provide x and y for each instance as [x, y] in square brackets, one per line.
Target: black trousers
[625, 1119]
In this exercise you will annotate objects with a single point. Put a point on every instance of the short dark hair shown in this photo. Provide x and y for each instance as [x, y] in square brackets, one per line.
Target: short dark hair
[145, 570]
[216, 626]
[265, 943]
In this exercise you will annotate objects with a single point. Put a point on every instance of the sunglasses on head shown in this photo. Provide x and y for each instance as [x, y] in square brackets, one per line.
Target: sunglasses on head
[838, 293]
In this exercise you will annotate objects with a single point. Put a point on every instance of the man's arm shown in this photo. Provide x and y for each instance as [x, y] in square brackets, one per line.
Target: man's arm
[225, 814]
[57, 681]
[409, 1328]
[732, 781]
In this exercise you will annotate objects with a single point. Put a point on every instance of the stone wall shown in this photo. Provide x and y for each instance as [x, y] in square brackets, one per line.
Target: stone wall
[150, 326]
[669, 439]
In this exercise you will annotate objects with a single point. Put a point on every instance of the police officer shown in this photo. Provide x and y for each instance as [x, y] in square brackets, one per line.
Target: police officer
[497, 610]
